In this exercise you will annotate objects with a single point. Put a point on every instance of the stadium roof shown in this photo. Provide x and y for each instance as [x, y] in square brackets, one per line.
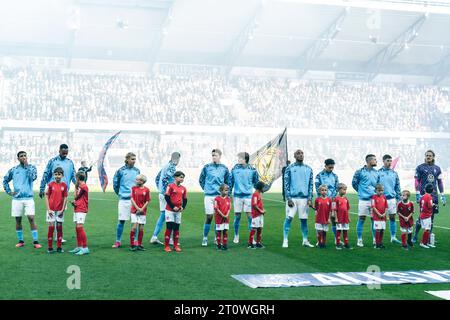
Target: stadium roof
[398, 36]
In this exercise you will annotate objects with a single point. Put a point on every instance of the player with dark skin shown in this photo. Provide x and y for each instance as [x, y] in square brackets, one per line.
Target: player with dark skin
[299, 156]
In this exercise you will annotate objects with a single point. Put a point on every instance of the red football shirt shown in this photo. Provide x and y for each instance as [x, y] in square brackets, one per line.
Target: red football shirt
[224, 205]
[426, 206]
[342, 209]
[256, 201]
[381, 204]
[405, 209]
[56, 192]
[176, 194]
[81, 199]
[140, 196]
[323, 209]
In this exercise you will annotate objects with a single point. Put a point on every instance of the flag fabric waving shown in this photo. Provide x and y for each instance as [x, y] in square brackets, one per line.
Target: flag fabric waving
[100, 166]
[394, 163]
[270, 159]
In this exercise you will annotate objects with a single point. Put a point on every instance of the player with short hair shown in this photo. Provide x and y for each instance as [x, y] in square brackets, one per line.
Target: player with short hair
[379, 208]
[163, 179]
[258, 213]
[341, 208]
[176, 199]
[429, 172]
[212, 176]
[391, 183]
[222, 207]
[80, 209]
[364, 182]
[298, 188]
[330, 179]
[22, 176]
[243, 178]
[140, 198]
[85, 169]
[55, 201]
[405, 211]
[124, 180]
[426, 212]
[322, 208]
[60, 161]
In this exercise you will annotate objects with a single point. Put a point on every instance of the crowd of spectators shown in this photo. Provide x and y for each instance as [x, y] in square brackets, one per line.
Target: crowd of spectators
[211, 99]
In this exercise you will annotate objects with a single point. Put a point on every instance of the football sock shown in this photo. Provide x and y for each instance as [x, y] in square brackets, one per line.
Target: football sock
[359, 228]
[119, 231]
[34, 234]
[132, 233]
[346, 237]
[333, 228]
[159, 223]
[304, 228]
[250, 238]
[140, 236]
[409, 237]
[79, 240]
[19, 235]
[176, 236]
[425, 237]
[392, 228]
[258, 235]
[218, 236]
[286, 228]
[59, 235]
[206, 228]
[167, 237]
[249, 221]
[225, 237]
[338, 237]
[324, 237]
[51, 231]
[373, 230]
[237, 220]
[403, 239]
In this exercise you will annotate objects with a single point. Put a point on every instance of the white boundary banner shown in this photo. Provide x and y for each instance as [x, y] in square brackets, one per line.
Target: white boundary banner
[342, 278]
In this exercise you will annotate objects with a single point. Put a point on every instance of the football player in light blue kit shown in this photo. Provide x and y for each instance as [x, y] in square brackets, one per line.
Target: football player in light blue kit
[64, 163]
[213, 175]
[364, 182]
[124, 180]
[243, 178]
[163, 179]
[298, 189]
[391, 182]
[330, 179]
[68, 168]
[22, 176]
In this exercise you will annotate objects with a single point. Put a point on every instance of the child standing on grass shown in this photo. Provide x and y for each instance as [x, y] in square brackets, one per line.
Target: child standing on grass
[379, 208]
[55, 201]
[405, 211]
[140, 198]
[322, 206]
[80, 204]
[222, 206]
[257, 216]
[426, 211]
[342, 218]
[176, 199]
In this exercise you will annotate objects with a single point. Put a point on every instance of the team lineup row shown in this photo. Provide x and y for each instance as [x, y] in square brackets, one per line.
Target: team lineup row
[378, 191]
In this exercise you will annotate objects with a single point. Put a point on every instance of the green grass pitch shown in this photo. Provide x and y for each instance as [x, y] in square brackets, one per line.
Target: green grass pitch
[198, 272]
